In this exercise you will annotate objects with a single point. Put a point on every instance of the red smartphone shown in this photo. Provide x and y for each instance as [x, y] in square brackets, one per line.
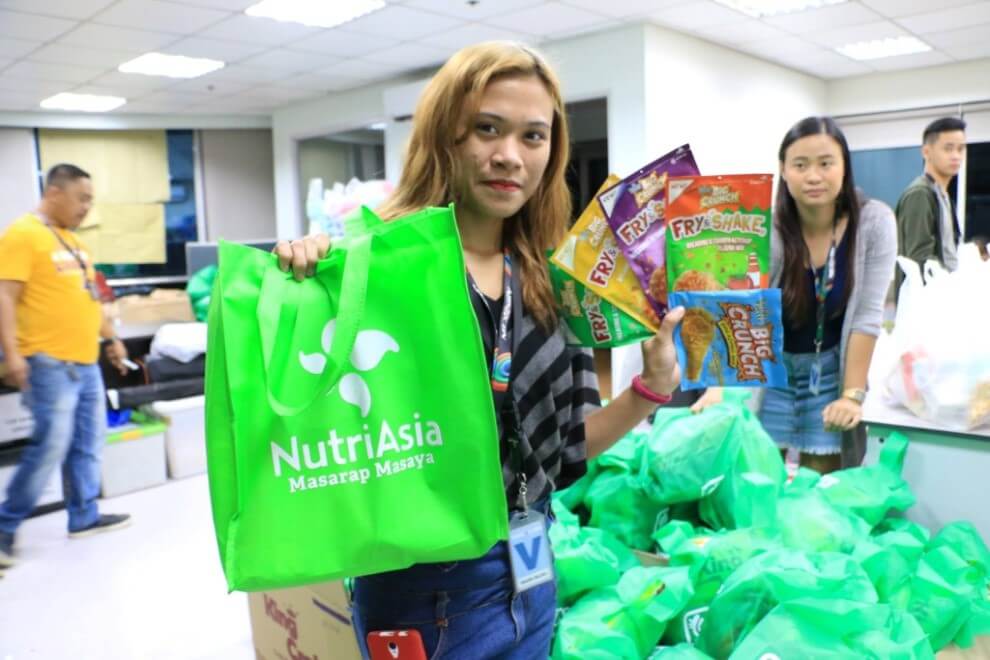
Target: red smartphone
[396, 645]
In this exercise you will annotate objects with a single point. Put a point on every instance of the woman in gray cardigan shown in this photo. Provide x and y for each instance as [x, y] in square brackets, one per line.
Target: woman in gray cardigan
[832, 255]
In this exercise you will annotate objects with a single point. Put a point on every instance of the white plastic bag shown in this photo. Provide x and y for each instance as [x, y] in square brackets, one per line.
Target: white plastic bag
[180, 341]
[942, 373]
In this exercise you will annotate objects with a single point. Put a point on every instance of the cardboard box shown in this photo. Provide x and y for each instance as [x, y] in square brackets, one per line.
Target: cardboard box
[980, 650]
[16, 422]
[305, 623]
[160, 306]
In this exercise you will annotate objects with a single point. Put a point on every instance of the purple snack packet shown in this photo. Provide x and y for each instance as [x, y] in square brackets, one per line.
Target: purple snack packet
[634, 208]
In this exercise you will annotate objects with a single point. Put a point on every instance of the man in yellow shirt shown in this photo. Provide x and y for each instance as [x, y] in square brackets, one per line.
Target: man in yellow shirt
[51, 322]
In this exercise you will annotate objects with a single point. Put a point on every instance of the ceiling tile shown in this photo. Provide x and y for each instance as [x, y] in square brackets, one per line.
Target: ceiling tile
[41, 88]
[341, 43]
[59, 53]
[898, 8]
[624, 8]
[856, 33]
[17, 48]
[138, 41]
[103, 90]
[467, 12]
[548, 18]
[359, 68]
[949, 19]
[32, 27]
[831, 70]
[131, 83]
[210, 86]
[971, 51]
[163, 16]
[4, 63]
[235, 105]
[401, 23]
[216, 49]
[915, 61]
[243, 74]
[289, 61]
[826, 18]
[257, 30]
[180, 98]
[411, 54]
[954, 38]
[607, 24]
[236, 6]
[473, 33]
[20, 101]
[699, 15]
[141, 106]
[316, 82]
[77, 9]
[748, 31]
[780, 48]
[56, 72]
[267, 93]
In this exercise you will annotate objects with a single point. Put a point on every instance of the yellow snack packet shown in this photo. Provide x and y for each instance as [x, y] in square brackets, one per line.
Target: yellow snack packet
[590, 255]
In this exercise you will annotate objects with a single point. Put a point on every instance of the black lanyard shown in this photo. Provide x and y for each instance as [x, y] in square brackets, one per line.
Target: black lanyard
[76, 253]
[502, 369]
[823, 286]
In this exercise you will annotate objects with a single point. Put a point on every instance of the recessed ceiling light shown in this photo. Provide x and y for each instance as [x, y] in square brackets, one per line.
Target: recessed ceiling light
[170, 66]
[82, 102]
[762, 8]
[314, 13]
[874, 50]
[377, 126]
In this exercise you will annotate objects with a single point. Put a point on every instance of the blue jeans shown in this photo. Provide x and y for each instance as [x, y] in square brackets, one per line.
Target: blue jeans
[67, 401]
[462, 609]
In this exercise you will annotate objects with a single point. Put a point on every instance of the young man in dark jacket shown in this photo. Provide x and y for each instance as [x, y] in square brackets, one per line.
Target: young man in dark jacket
[927, 227]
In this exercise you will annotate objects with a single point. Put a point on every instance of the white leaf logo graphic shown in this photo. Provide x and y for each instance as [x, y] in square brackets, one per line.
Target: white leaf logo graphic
[355, 391]
[370, 347]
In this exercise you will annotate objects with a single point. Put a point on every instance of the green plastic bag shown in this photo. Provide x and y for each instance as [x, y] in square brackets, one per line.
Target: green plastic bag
[679, 652]
[619, 503]
[874, 490]
[805, 479]
[199, 288]
[585, 558]
[774, 577]
[949, 598]
[966, 541]
[889, 570]
[832, 629]
[906, 526]
[808, 522]
[328, 411]
[714, 556]
[624, 621]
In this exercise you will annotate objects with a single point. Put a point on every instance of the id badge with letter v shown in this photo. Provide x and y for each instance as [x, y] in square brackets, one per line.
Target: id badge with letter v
[529, 551]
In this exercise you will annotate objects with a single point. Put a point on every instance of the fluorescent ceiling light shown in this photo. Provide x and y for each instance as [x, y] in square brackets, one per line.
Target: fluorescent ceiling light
[170, 66]
[82, 102]
[762, 8]
[377, 126]
[314, 13]
[874, 50]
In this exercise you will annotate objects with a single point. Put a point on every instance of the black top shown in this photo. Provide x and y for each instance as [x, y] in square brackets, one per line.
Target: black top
[800, 337]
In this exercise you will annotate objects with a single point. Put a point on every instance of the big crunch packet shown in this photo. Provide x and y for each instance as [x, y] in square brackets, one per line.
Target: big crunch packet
[634, 208]
[718, 232]
[591, 320]
[730, 338]
[589, 255]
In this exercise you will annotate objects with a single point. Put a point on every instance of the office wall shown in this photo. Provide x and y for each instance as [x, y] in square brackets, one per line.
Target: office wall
[18, 174]
[238, 186]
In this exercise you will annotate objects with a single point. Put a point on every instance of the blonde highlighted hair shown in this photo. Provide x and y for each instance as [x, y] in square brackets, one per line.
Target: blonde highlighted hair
[429, 168]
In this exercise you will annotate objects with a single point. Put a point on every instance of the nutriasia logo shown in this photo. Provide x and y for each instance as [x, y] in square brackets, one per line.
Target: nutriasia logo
[369, 349]
[748, 345]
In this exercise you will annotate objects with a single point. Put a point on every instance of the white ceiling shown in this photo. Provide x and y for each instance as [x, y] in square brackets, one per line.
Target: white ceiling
[50, 46]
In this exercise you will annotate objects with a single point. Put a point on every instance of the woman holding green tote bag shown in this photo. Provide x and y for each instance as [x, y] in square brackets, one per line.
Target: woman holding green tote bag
[490, 136]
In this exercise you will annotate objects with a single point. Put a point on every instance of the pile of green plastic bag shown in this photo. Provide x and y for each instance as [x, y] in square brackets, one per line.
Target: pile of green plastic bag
[754, 566]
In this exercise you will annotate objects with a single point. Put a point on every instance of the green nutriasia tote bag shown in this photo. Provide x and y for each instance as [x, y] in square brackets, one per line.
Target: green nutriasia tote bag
[349, 417]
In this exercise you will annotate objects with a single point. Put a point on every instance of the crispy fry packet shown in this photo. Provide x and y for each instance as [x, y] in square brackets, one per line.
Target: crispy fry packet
[592, 321]
[718, 232]
[589, 255]
[730, 338]
[634, 208]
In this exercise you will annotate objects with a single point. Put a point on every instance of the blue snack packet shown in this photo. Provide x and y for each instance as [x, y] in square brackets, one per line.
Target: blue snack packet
[730, 338]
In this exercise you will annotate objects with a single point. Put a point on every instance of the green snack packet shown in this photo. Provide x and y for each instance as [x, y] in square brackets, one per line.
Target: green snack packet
[592, 321]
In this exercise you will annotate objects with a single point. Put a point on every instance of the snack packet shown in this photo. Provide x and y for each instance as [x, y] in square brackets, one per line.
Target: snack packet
[718, 232]
[730, 338]
[634, 208]
[592, 321]
[589, 255]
